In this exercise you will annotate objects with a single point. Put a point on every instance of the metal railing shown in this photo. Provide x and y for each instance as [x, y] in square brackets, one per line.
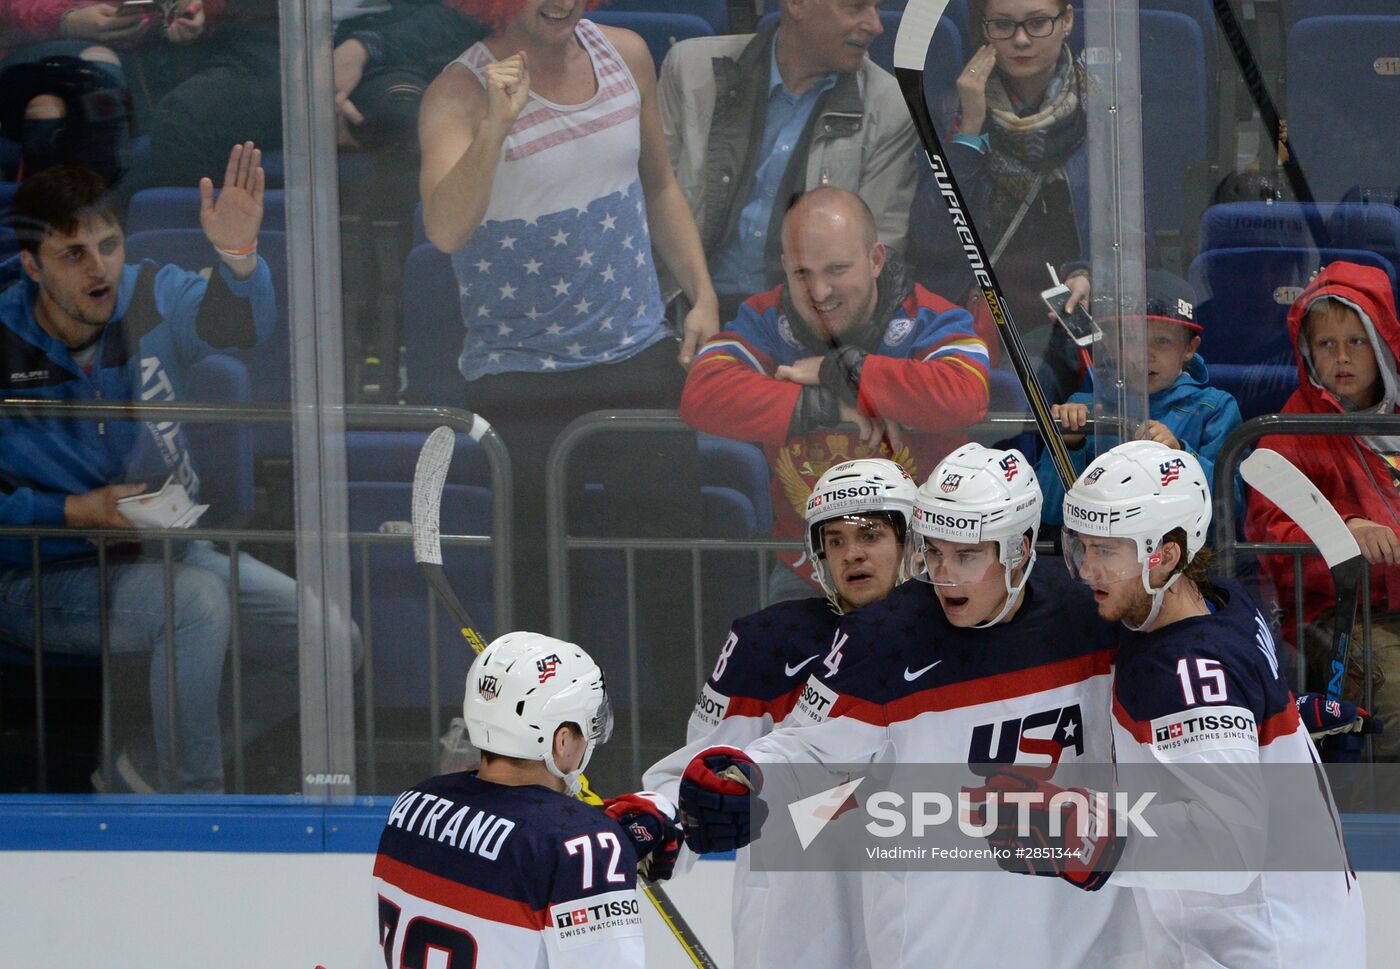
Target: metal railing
[560, 542]
[1228, 546]
[357, 417]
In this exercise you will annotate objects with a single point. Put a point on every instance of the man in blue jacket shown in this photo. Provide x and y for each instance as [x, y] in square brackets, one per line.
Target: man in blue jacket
[83, 326]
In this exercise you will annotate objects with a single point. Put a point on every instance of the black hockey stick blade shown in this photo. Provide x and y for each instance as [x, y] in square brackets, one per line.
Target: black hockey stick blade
[1274, 477]
[916, 27]
[429, 478]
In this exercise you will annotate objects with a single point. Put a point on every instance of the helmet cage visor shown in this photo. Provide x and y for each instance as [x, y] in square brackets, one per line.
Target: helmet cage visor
[1101, 560]
[953, 564]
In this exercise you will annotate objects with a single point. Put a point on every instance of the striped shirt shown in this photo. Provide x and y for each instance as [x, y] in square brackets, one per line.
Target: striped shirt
[559, 275]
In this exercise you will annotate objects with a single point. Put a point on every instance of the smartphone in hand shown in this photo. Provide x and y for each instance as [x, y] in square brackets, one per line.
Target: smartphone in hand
[130, 7]
[1079, 325]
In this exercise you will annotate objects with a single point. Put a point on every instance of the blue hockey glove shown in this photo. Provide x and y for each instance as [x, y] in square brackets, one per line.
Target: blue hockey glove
[717, 809]
[1085, 861]
[1323, 717]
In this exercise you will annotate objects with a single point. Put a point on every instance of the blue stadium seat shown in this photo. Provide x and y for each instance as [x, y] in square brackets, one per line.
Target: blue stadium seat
[956, 11]
[223, 453]
[882, 48]
[1296, 10]
[10, 152]
[1343, 92]
[379, 467]
[269, 365]
[1174, 110]
[659, 30]
[713, 12]
[1243, 297]
[178, 208]
[432, 327]
[1373, 227]
[942, 65]
[741, 466]
[8, 244]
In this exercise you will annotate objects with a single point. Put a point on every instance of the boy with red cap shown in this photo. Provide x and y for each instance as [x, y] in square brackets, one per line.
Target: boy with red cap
[1344, 329]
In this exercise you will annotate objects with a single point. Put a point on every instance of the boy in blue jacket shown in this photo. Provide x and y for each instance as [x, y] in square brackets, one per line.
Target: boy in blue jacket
[82, 326]
[1185, 413]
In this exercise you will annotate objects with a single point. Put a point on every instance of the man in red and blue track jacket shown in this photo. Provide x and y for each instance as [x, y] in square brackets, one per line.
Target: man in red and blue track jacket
[847, 339]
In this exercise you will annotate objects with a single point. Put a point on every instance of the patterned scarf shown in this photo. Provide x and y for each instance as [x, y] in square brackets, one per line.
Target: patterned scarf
[1036, 145]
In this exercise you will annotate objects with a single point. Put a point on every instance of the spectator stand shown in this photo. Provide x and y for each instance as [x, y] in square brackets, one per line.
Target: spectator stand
[1343, 86]
[1229, 549]
[387, 593]
[713, 12]
[661, 31]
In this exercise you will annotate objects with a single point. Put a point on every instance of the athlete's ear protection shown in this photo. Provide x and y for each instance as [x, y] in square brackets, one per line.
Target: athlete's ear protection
[1016, 554]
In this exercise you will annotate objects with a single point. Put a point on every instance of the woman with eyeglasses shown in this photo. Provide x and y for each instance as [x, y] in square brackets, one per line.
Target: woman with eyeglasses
[1018, 149]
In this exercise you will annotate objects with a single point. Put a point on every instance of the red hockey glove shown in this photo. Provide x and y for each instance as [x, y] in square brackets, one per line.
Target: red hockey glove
[649, 820]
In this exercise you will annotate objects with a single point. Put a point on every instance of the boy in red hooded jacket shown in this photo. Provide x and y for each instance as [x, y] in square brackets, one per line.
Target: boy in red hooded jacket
[1344, 329]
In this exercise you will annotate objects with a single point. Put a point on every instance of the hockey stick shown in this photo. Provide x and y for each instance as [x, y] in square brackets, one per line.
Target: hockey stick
[1274, 477]
[911, 45]
[429, 477]
[1278, 128]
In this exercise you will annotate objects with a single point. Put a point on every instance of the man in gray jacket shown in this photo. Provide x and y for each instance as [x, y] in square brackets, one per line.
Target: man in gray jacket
[753, 120]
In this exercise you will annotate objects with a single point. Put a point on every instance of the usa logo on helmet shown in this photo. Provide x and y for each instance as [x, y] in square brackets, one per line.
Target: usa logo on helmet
[950, 482]
[488, 687]
[547, 666]
[1171, 470]
[1094, 475]
[1009, 466]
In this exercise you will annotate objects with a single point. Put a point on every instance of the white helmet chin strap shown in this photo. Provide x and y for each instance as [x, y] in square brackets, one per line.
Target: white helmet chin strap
[572, 784]
[1158, 597]
[1013, 593]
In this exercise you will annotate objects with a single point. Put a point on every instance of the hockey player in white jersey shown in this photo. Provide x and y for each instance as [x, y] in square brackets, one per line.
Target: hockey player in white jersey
[503, 866]
[1198, 684]
[857, 518]
[985, 661]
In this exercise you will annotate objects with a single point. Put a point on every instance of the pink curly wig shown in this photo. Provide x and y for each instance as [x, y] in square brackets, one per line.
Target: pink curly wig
[497, 13]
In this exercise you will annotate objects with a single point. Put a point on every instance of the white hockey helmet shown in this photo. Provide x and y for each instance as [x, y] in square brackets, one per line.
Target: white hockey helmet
[979, 494]
[866, 486]
[523, 687]
[1139, 490]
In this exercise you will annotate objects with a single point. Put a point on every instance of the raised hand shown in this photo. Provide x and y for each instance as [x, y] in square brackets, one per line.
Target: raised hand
[232, 222]
[972, 90]
[507, 89]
